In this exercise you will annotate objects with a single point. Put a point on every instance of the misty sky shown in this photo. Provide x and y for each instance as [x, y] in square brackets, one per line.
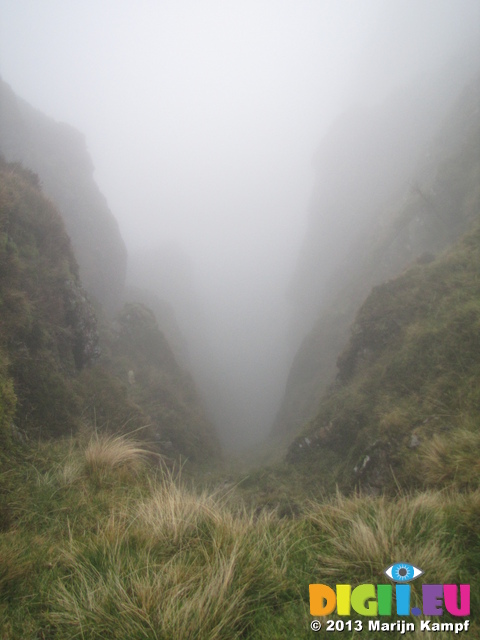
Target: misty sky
[202, 118]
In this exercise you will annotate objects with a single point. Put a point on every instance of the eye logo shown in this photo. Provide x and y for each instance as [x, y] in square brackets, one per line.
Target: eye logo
[402, 572]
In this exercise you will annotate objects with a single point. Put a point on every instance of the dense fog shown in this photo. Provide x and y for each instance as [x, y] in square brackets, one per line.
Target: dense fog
[211, 123]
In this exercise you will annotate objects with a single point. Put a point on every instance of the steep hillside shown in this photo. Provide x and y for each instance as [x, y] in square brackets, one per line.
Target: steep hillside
[165, 316]
[57, 371]
[139, 360]
[57, 153]
[437, 206]
[47, 326]
[404, 409]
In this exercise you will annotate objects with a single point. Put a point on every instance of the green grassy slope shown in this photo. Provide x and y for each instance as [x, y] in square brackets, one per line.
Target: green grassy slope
[99, 542]
[138, 358]
[47, 326]
[408, 383]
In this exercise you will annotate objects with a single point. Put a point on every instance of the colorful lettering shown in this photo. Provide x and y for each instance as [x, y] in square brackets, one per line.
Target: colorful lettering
[450, 596]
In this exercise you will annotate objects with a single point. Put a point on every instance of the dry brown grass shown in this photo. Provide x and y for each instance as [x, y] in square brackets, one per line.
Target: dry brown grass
[452, 459]
[106, 453]
[155, 559]
[174, 565]
[364, 535]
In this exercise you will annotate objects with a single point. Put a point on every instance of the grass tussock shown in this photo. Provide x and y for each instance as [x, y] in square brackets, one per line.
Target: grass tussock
[363, 533]
[106, 453]
[173, 565]
[453, 459]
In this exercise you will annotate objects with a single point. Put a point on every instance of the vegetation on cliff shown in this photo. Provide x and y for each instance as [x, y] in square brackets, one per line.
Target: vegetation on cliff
[57, 153]
[407, 383]
[58, 370]
[439, 204]
[47, 326]
[162, 397]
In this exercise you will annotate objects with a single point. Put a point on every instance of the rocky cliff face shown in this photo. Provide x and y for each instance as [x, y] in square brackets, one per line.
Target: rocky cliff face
[434, 202]
[60, 368]
[57, 371]
[139, 357]
[58, 154]
[404, 408]
[48, 328]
